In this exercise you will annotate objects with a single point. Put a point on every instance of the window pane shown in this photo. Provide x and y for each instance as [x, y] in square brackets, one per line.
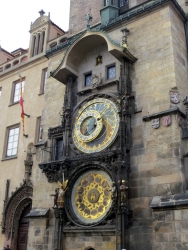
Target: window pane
[11, 132]
[14, 151]
[111, 72]
[15, 137]
[59, 147]
[88, 80]
[15, 144]
[44, 79]
[10, 139]
[16, 131]
[9, 152]
[17, 88]
[12, 143]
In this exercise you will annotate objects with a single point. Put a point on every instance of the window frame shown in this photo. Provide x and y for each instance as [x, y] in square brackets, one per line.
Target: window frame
[107, 69]
[8, 129]
[44, 77]
[37, 130]
[86, 75]
[12, 102]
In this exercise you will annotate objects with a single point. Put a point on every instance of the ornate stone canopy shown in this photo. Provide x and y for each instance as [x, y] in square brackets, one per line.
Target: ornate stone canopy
[85, 43]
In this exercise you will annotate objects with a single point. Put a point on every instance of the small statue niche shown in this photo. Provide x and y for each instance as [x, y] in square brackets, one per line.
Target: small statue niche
[99, 60]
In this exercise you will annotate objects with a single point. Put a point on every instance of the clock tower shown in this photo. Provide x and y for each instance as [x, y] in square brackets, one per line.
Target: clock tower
[96, 132]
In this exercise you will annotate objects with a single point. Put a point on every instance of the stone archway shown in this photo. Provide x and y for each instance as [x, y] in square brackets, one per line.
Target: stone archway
[14, 207]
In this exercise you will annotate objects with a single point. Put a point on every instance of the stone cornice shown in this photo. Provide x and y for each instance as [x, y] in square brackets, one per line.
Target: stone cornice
[175, 110]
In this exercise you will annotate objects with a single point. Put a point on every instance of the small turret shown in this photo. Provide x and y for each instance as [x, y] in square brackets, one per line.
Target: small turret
[109, 11]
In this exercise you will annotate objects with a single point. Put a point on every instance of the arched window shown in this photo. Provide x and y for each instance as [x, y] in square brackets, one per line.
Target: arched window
[15, 62]
[33, 46]
[43, 37]
[63, 40]
[24, 59]
[53, 45]
[38, 43]
[7, 66]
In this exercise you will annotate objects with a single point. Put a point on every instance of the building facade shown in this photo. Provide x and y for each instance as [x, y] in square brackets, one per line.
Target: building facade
[112, 131]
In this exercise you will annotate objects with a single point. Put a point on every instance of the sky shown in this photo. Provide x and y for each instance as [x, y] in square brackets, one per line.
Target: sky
[16, 17]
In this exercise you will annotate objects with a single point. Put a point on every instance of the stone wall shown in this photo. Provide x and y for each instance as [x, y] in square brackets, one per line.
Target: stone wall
[78, 14]
[98, 241]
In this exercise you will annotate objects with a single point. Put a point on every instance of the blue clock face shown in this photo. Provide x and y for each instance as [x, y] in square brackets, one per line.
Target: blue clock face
[96, 125]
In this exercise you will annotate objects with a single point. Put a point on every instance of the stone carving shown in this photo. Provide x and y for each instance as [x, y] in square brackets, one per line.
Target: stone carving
[167, 120]
[55, 131]
[155, 123]
[174, 97]
[95, 81]
[39, 22]
[55, 197]
[123, 191]
[61, 193]
[99, 60]
[113, 192]
[14, 207]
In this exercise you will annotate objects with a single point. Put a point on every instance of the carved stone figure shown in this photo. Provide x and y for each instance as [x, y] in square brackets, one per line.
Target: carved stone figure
[55, 196]
[125, 101]
[113, 192]
[61, 193]
[123, 190]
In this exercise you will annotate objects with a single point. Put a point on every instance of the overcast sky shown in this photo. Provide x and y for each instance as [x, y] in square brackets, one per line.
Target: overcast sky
[16, 17]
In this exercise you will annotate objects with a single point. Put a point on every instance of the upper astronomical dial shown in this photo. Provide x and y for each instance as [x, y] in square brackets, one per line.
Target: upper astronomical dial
[88, 125]
[96, 125]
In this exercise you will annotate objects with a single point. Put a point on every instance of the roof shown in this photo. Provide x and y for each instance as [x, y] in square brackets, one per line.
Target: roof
[57, 26]
[19, 49]
[5, 51]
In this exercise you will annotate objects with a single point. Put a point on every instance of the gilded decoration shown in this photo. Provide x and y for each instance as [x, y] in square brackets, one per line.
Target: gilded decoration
[96, 125]
[92, 196]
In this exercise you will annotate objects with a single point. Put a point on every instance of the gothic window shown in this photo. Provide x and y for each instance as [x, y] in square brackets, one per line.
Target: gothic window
[33, 46]
[43, 37]
[56, 145]
[58, 149]
[0, 91]
[37, 44]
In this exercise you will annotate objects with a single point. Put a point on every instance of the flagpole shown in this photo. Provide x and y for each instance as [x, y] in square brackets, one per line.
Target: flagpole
[22, 108]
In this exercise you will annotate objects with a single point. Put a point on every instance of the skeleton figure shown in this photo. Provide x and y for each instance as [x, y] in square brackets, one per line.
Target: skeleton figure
[113, 192]
[55, 196]
[123, 190]
[61, 193]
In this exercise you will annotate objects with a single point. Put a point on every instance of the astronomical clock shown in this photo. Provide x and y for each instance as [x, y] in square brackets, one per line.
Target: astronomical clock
[96, 132]
[96, 125]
